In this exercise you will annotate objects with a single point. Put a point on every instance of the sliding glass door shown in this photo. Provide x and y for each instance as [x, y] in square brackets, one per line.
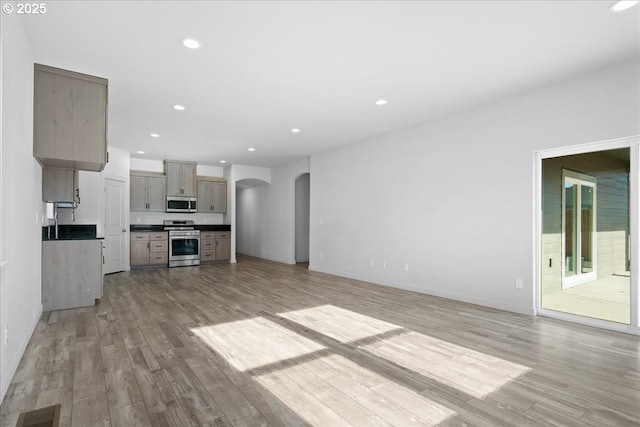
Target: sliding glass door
[587, 230]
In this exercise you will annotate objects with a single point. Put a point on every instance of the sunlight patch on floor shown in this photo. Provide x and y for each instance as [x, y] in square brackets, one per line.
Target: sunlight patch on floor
[470, 371]
[338, 323]
[335, 391]
[252, 343]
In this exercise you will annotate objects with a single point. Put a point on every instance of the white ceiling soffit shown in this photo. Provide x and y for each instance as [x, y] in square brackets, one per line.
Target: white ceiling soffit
[267, 67]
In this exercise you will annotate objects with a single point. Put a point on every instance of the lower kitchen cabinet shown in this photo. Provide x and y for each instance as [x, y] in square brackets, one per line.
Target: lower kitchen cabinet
[215, 246]
[71, 273]
[223, 245]
[149, 248]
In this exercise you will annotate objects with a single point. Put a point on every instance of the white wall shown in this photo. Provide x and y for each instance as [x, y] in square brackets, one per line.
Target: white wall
[454, 198]
[302, 218]
[265, 215]
[21, 208]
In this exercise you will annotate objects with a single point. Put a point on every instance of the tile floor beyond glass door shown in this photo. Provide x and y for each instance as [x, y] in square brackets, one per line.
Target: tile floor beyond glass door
[607, 299]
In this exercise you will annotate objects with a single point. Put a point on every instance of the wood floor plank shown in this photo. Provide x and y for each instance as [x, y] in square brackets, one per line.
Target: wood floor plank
[260, 343]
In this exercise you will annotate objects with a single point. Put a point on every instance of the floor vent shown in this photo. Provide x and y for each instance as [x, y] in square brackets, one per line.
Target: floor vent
[43, 417]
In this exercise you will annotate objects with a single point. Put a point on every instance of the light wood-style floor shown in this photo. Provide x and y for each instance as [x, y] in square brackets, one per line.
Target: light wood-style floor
[261, 343]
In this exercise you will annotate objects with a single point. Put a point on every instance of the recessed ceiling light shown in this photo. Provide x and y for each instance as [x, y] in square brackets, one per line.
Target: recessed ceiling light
[190, 43]
[252, 149]
[155, 135]
[140, 152]
[179, 107]
[381, 101]
[223, 161]
[621, 5]
[295, 130]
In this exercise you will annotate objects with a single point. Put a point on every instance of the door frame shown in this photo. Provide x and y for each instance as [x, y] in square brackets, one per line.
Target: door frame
[633, 143]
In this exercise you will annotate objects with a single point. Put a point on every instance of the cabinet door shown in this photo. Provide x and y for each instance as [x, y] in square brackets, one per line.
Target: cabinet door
[189, 180]
[223, 249]
[174, 178]
[219, 196]
[155, 194]
[138, 193]
[70, 111]
[58, 185]
[205, 201]
[139, 253]
[71, 273]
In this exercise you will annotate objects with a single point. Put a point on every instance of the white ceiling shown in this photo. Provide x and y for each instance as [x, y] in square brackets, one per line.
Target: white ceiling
[266, 67]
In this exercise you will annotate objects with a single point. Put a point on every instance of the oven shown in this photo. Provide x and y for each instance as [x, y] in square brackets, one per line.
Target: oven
[184, 243]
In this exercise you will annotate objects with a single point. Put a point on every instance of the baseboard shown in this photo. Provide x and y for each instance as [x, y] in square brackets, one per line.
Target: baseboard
[7, 377]
[267, 257]
[529, 311]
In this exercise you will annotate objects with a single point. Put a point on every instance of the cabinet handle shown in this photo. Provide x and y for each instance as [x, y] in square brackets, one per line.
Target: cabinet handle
[211, 207]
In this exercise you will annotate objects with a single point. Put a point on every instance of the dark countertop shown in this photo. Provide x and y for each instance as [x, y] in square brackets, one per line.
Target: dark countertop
[70, 232]
[201, 227]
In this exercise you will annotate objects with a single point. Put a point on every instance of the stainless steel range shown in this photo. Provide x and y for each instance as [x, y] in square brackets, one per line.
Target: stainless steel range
[184, 243]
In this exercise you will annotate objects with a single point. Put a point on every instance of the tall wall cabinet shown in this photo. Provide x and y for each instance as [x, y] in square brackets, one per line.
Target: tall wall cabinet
[69, 119]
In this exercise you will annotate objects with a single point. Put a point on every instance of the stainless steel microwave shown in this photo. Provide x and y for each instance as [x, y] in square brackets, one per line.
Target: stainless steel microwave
[182, 204]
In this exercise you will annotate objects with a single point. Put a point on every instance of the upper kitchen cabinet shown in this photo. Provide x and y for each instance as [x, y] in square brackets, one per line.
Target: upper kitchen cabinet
[69, 119]
[212, 195]
[60, 185]
[181, 178]
[147, 192]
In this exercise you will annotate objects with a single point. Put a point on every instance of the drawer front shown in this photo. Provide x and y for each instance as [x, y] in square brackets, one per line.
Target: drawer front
[223, 235]
[207, 234]
[158, 258]
[144, 237]
[158, 246]
[159, 236]
[207, 244]
[207, 255]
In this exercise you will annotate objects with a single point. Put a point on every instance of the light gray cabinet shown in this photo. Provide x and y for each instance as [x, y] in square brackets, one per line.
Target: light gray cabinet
[215, 246]
[223, 245]
[69, 119]
[149, 248]
[212, 195]
[71, 273]
[181, 178]
[60, 185]
[147, 193]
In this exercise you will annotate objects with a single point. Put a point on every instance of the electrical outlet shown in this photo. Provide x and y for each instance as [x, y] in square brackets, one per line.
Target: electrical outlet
[373, 263]
[518, 283]
[321, 255]
[137, 220]
[406, 268]
[384, 264]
